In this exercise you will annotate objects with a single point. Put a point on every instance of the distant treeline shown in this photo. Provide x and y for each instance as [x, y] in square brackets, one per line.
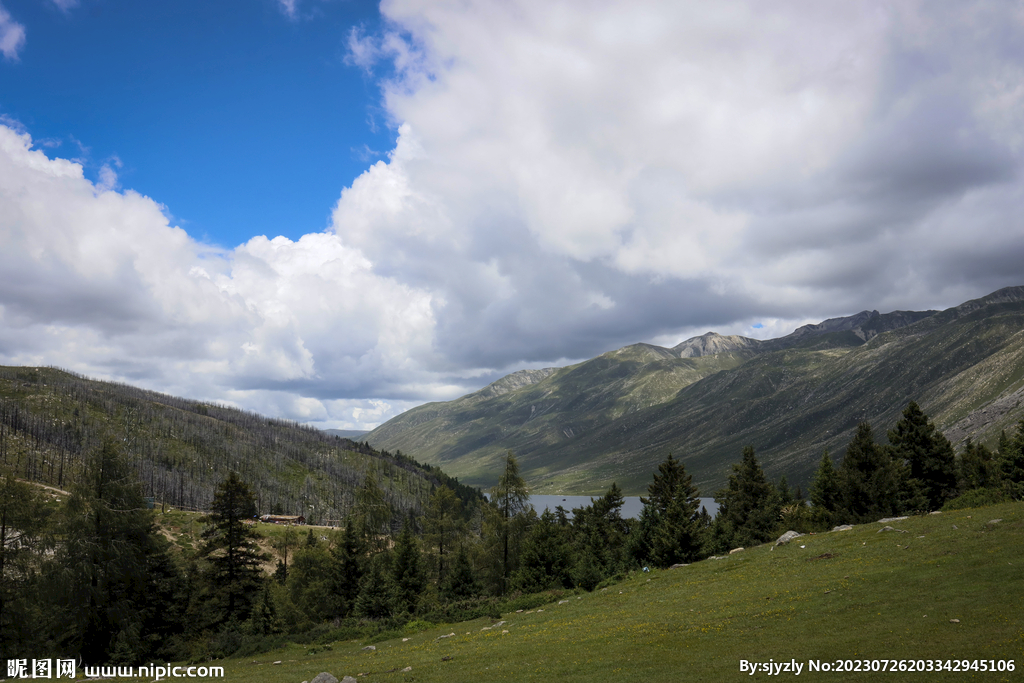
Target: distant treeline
[92, 577]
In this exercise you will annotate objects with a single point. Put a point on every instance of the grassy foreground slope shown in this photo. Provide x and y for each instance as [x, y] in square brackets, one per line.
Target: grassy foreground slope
[860, 594]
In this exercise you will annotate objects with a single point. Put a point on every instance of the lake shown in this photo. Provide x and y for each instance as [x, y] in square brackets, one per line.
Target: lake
[631, 505]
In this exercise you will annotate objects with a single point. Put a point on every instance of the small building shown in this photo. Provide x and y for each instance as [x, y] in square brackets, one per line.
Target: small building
[283, 519]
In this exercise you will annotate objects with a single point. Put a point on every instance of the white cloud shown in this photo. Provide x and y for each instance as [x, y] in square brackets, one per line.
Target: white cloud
[12, 35]
[289, 7]
[98, 281]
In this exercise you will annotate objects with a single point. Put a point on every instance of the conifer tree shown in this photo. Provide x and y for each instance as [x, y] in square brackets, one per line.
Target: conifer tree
[1011, 464]
[407, 573]
[826, 496]
[977, 467]
[546, 558]
[748, 510]
[102, 562]
[376, 598]
[868, 478]
[460, 582]
[22, 518]
[235, 575]
[347, 568]
[668, 531]
[443, 523]
[511, 498]
[927, 454]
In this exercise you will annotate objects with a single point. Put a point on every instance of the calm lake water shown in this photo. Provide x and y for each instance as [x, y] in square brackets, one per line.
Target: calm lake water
[631, 505]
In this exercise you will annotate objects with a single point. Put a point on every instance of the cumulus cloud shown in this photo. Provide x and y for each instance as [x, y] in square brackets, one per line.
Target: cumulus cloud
[569, 177]
[99, 281]
[12, 35]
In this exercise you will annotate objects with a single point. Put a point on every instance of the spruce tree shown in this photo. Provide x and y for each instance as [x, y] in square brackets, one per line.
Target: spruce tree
[347, 568]
[1011, 464]
[749, 507]
[826, 497]
[927, 454]
[868, 479]
[460, 582]
[407, 573]
[235, 575]
[546, 559]
[668, 531]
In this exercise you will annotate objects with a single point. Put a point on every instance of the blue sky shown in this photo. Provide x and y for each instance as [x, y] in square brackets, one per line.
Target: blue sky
[240, 119]
[332, 211]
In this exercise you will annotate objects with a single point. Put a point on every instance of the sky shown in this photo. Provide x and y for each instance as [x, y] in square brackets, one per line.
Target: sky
[331, 211]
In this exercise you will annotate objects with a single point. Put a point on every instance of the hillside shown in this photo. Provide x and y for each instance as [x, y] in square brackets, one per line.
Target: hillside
[615, 417]
[182, 449]
[935, 587]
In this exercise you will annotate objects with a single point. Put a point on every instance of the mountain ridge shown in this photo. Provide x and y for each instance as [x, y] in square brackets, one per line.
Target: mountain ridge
[614, 417]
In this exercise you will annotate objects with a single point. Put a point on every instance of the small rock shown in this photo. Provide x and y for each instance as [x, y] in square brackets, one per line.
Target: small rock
[956, 527]
[995, 521]
[563, 602]
[324, 677]
[405, 640]
[407, 669]
[448, 635]
[936, 512]
[677, 566]
[736, 550]
[843, 527]
[787, 537]
[890, 519]
[954, 621]
[348, 679]
[370, 648]
[277, 662]
[504, 632]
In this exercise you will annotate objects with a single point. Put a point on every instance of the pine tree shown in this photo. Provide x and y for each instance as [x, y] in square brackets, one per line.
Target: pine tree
[928, 455]
[235, 574]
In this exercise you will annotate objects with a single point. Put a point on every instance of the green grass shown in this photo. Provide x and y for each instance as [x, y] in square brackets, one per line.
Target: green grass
[860, 594]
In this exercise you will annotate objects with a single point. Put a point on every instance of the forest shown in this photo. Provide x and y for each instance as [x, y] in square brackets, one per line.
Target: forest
[95, 576]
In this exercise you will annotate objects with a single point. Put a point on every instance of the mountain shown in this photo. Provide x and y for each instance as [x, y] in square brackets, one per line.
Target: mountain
[615, 417]
[181, 450]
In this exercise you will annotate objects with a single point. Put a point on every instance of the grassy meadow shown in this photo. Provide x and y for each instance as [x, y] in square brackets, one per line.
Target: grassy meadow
[858, 594]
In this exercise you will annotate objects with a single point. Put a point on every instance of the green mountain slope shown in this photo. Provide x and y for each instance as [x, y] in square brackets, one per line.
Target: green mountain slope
[614, 418]
[182, 449]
